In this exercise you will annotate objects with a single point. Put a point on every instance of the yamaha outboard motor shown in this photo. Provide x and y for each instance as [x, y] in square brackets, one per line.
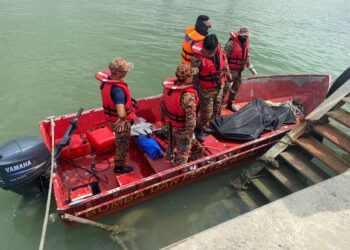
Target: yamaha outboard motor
[25, 161]
[24, 166]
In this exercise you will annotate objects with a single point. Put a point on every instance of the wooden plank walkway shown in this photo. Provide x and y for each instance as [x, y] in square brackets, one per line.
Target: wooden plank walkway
[291, 162]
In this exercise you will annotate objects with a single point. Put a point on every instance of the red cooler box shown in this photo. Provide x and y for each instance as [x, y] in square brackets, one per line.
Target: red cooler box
[102, 139]
[77, 147]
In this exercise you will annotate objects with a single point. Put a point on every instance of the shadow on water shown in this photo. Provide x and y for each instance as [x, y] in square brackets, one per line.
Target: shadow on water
[184, 212]
[29, 215]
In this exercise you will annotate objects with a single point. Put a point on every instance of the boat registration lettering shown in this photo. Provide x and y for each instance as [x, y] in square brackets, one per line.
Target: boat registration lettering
[164, 185]
[115, 204]
[160, 187]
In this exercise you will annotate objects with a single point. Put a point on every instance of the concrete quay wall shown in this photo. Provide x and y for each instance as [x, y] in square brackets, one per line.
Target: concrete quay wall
[317, 217]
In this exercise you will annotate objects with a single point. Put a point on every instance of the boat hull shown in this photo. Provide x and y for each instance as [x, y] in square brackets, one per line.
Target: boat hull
[165, 182]
[151, 178]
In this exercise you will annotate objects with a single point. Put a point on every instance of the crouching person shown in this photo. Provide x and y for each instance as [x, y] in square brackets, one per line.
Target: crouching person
[118, 108]
[178, 107]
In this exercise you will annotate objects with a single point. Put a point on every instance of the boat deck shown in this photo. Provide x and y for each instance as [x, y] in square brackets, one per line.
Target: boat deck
[77, 173]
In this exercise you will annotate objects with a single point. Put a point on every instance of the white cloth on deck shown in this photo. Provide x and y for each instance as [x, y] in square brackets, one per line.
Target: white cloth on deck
[141, 128]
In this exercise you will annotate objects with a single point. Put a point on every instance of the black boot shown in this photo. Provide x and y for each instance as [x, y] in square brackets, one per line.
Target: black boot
[230, 106]
[123, 169]
[208, 130]
[199, 135]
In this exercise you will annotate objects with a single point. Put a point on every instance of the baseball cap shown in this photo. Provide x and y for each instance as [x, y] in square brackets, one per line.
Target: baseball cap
[184, 71]
[119, 64]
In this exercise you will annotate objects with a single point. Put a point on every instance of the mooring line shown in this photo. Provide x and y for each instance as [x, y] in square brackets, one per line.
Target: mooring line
[43, 232]
[113, 231]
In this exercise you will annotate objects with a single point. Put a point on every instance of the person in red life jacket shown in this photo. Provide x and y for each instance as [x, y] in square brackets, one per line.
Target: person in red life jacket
[118, 108]
[193, 35]
[213, 68]
[237, 53]
[178, 107]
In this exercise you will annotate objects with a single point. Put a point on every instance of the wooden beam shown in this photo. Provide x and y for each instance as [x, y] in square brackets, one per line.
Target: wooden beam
[304, 166]
[288, 139]
[321, 152]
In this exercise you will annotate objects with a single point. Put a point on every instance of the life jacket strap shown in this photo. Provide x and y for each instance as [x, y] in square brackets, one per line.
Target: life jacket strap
[109, 111]
[187, 53]
[175, 117]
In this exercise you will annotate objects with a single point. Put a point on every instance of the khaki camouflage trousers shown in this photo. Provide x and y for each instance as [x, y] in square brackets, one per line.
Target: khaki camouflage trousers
[179, 146]
[209, 106]
[236, 83]
[122, 141]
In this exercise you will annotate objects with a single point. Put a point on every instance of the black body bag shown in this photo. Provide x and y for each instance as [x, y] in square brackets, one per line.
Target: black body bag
[251, 121]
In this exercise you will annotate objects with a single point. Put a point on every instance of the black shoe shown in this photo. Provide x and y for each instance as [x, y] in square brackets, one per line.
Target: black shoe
[123, 169]
[231, 107]
[199, 135]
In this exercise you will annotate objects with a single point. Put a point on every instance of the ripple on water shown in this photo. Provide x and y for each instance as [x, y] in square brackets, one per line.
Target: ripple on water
[49, 53]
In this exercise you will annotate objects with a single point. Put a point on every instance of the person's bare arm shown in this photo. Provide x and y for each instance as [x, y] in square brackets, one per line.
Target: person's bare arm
[120, 124]
[250, 66]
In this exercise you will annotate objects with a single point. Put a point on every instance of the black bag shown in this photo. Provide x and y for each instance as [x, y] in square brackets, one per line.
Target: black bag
[251, 121]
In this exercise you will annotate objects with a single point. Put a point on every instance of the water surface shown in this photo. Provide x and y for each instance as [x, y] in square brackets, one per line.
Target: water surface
[50, 51]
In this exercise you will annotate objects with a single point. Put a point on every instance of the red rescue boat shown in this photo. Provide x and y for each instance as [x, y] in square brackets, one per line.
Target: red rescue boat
[85, 185]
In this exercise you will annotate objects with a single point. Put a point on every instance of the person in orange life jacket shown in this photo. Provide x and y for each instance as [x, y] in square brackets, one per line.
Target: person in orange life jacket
[118, 109]
[178, 107]
[237, 53]
[193, 35]
[213, 70]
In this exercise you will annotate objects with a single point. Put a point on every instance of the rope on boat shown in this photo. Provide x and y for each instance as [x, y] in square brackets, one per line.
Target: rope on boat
[270, 161]
[240, 183]
[53, 163]
[113, 231]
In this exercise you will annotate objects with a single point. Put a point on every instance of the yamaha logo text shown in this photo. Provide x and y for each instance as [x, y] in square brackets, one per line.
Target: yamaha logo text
[18, 167]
